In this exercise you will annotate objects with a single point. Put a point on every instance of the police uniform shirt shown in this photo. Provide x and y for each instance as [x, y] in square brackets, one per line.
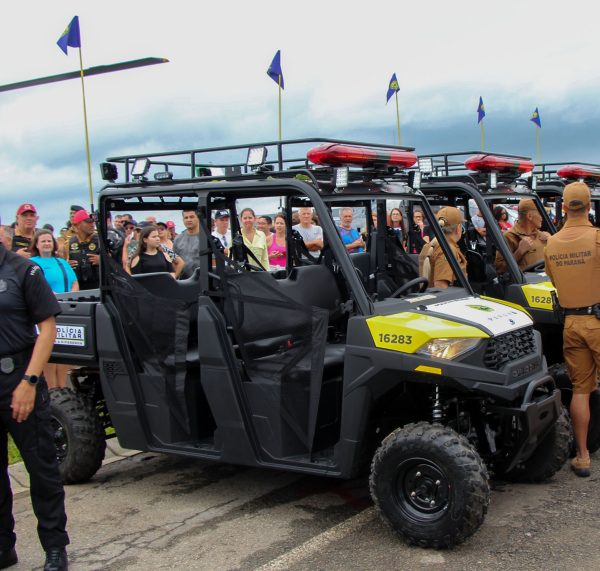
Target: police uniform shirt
[25, 299]
[440, 266]
[19, 242]
[87, 275]
[513, 237]
[573, 263]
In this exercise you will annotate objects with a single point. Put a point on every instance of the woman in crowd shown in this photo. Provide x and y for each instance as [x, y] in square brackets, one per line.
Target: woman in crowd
[149, 256]
[278, 247]
[419, 233]
[61, 278]
[165, 235]
[396, 223]
[254, 239]
[501, 216]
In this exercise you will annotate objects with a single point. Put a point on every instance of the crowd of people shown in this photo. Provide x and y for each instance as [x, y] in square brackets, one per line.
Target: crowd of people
[70, 259]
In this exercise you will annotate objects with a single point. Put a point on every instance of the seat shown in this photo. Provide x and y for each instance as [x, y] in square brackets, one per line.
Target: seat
[333, 366]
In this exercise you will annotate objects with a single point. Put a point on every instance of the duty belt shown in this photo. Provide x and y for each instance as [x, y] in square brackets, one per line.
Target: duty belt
[589, 310]
[8, 363]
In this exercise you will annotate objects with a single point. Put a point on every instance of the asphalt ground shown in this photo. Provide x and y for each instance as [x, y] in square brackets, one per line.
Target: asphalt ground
[151, 511]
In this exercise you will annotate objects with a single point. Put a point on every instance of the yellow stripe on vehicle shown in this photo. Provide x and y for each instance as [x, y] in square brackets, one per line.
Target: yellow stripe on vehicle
[539, 295]
[407, 332]
[426, 369]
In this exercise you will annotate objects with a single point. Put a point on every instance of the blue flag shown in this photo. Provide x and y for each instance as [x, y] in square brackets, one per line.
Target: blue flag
[393, 87]
[535, 117]
[274, 71]
[480, 110]
[70, 37]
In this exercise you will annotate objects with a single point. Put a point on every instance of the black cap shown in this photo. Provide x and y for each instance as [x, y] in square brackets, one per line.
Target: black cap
[144, 224]
[132, 222]
[75, 208]
[220, 214]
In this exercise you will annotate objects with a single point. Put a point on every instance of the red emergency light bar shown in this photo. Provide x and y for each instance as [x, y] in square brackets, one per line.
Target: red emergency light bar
[337, 155]
[577, 172]
[492, 163]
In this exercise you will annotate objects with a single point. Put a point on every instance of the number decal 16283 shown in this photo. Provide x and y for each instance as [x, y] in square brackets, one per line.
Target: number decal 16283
[393, 338]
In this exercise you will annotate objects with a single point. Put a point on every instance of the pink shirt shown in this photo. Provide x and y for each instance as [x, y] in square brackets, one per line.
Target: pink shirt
[280, 260]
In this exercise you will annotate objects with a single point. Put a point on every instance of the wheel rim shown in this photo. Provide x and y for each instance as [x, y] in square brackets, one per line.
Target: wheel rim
[422, 489]
[61, 441]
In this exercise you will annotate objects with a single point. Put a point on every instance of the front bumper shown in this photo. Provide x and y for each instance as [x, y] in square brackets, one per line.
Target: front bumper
[535, 416]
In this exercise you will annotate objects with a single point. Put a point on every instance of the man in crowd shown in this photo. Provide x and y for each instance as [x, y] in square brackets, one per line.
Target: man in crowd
[350, 236]
[264, 224]
[6, 236]
[525, 239]
[84, 249]
[115, 239]
[118, 223]
[25, 229]
[433, 263]
[311, 233]
[130, 239]
[572, 258]
[63, 241]
[26, 301]
[187, 244]
[221, 230]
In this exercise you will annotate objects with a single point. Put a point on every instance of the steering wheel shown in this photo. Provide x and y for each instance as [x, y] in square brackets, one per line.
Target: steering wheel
[421, 281]
[535, 267]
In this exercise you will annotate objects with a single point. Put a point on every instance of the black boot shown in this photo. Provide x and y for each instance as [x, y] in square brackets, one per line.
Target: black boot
[8, 558]
[56, 559]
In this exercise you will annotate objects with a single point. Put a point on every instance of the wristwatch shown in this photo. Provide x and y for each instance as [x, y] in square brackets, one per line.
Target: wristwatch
[31, 379]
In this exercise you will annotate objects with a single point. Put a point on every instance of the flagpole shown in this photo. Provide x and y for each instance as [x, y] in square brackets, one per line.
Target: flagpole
[87, 141]
[482, 137]
[279, 83]
[537, 140]
[398, 119]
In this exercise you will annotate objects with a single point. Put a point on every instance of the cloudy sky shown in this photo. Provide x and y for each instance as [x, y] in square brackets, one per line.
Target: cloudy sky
[337, 59]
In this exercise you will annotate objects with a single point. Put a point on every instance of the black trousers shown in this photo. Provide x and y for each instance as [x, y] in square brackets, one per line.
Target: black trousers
[35, 440]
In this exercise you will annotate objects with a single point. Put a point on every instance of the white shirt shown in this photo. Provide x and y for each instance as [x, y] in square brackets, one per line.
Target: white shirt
[225, 239]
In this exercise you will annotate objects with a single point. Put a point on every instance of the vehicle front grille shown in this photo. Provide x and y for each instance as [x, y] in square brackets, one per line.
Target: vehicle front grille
[508, 347]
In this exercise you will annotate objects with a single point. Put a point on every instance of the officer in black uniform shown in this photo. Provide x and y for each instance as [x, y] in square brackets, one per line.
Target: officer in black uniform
[27, 300]
[84, 251]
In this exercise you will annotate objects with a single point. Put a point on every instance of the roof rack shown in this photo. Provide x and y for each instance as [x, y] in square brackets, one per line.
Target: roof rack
[444, 164]
[548, 171]
[232, 159]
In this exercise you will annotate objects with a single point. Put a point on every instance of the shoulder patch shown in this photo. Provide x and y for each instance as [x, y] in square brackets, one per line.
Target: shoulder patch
[33, 270]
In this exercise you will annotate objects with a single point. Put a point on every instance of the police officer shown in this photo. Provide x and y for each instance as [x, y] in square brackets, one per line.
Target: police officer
[27, 300]
[572, 259]
[432, 260]
[84, 251]
[525, 239]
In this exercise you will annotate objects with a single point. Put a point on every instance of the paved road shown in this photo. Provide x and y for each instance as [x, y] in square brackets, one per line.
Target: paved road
[151, 512]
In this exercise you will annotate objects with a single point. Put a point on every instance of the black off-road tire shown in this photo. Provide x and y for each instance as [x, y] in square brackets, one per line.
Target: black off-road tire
[423, 463]
[549, 457]
[78, 436]
[561, 378]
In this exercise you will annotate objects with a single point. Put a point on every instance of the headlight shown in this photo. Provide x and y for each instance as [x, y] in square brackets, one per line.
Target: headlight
[448, 348]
